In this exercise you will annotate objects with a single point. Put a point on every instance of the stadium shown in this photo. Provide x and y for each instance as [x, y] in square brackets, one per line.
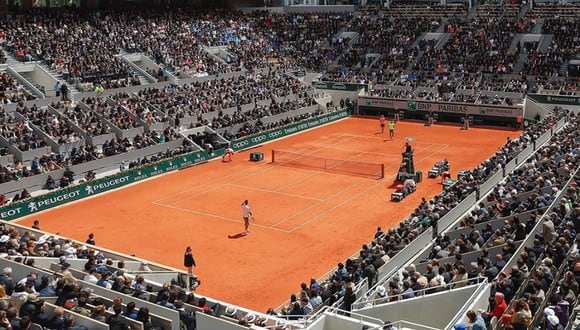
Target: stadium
[408, 164]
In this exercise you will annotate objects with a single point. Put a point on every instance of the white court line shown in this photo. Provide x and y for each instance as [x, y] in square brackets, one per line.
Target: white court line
[273, 191]
[375, 153]
[232, 183]
[320, 201]
[355, 196]
[387, 139]
[316, 173]
[327, 198]
[235, 174]
[220, 217]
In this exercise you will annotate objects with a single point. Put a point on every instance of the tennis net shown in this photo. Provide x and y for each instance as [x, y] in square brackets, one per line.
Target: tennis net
[344, 166]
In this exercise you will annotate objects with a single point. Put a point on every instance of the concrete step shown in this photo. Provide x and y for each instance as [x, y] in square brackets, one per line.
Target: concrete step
[523, 11]
[10, 60]
[537, 28]
[516, 40]
[443, 40]
[519, 66]
[473, 10]
[564, 68]
[546, 42]
[142, 79]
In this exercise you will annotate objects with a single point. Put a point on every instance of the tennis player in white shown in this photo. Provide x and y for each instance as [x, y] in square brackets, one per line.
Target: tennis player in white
[227, 157]
[247, 214]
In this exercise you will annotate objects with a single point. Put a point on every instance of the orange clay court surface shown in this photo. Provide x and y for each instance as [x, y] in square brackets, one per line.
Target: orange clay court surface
[306, 221]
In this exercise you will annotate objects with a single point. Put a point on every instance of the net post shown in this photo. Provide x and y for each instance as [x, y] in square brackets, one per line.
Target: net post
[382, 170]
[273, 157]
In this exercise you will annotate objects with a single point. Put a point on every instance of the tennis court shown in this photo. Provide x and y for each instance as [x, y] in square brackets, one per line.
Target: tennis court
[306, 220]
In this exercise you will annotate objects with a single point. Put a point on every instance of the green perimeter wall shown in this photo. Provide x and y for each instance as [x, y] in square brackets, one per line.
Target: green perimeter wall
[121, 179]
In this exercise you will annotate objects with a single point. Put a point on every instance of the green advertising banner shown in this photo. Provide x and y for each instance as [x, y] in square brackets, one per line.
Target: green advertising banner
[444, 107]
[555, 99]
[257, 139]
[87, 189]
[339, 86]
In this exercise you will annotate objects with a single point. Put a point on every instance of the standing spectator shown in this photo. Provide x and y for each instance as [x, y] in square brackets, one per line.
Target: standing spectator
[349, 298]
[57, 89]
[548, 230]
[64, 92]
[189, 261]
[369, 272]
[91, 239]
[36, 225]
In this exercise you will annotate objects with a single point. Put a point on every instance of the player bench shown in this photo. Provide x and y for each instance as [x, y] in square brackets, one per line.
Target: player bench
[400, 192]
[439, 167]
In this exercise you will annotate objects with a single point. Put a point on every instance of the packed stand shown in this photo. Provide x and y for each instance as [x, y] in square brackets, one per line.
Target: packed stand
[545, 292]
[115, 113]
[253, 40]
[50, 123]
[258, 113]
[11, 91]
[471, 38]
[563, 48]
[389, 37]
[68, 42]
[22, 136]
[138, 108]
[259, 126]
[198, 98]
[167, 37]
[549, 168]
[519, 295]
[307, 40]
[87, 120]
[413, 9]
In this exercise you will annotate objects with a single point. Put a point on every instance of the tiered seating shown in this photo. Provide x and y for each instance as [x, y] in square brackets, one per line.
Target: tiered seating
[70, 43]
[86, 119]
[451, 73]
[84, 284]
[561, 22]
[11, 91]
[426, 10]
[55, 127]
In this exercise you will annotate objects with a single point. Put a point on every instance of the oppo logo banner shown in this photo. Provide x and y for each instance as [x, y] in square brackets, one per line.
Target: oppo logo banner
[240, 144]
[259, 138]
[275, 134]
